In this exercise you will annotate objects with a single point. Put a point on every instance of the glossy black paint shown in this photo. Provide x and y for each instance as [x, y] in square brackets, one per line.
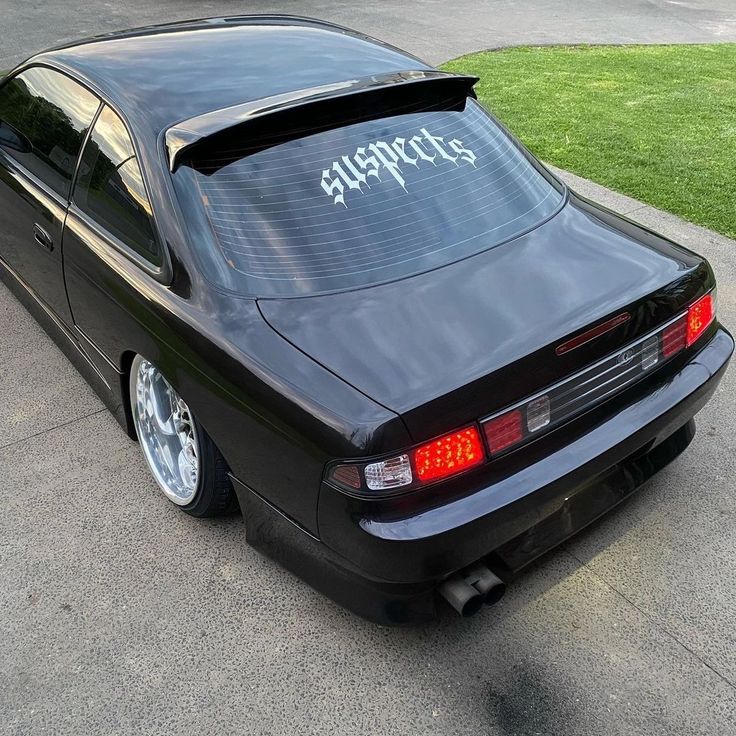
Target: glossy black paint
[456, 516]
[386, 562]
[31, 220]
[480, 334]
[213, 64]
[285, 386]
[324, 100]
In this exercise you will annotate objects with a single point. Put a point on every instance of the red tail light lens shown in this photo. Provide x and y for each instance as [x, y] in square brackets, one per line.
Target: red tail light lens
[504, 431]
[346, 475]
[699, 317]
[688, 328]
[448, 455]
[674, 338]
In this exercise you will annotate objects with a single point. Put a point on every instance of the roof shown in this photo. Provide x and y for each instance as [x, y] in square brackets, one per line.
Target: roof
[160, 75]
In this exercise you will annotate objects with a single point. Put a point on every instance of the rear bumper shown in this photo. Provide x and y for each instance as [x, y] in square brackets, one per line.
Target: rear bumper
[385, 564]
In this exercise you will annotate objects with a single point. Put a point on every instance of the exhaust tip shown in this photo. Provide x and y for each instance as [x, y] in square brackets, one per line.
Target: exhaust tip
[462, 596]
[495, 594]
[472, 606]
[466, 591]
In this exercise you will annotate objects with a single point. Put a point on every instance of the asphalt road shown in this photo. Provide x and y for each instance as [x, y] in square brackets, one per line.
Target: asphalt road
[436, 30]
[119, 614]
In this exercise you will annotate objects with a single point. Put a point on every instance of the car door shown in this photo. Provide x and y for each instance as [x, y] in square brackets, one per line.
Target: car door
[113, 256]
[44, 118]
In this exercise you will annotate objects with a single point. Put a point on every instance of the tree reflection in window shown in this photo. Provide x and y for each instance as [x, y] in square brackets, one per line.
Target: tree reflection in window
[53, 113]
[110, 187]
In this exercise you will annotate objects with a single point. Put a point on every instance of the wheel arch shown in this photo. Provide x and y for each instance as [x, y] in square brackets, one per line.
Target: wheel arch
[126, 361]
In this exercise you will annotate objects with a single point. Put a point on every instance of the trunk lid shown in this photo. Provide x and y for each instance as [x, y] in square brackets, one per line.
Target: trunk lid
[446, 347]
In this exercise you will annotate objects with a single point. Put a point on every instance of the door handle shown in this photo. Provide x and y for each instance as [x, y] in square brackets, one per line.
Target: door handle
[42, 237]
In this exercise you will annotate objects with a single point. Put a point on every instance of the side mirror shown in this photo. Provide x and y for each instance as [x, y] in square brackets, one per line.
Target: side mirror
[13, 139]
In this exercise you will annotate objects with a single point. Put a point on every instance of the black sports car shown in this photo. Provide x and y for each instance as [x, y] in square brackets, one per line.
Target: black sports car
[317, 280]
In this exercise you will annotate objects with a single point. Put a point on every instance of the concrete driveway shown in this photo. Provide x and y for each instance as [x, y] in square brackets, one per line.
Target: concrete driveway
[119, 614]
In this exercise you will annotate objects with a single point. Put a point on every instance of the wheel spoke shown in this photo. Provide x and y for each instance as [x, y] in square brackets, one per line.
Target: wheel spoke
[167, 433]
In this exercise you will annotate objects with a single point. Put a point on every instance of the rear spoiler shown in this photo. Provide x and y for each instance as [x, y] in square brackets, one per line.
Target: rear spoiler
[183, 136]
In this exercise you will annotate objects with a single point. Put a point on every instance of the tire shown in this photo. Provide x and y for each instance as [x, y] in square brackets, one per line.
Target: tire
[183, 459]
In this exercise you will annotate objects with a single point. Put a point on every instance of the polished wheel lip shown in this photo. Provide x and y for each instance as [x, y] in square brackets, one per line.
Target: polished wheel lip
[167, 433]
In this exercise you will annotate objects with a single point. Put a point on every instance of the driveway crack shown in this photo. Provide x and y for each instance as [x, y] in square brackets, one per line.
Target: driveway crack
[652, 620]
[51, 429]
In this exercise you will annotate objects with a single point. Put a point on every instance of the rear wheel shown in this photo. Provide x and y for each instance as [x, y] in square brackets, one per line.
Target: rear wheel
[184, 461]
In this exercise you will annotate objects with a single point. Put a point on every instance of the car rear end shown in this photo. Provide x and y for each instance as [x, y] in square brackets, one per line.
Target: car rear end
[510, 486]
[514, 460]
[395, 559]
[539, 438]
[545, 356]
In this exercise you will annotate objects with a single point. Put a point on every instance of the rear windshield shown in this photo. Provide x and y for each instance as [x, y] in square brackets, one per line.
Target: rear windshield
[367, 203]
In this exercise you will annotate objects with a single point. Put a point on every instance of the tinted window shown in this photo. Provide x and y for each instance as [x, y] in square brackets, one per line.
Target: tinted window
[110, 187]
[369, 202]
[52, 114]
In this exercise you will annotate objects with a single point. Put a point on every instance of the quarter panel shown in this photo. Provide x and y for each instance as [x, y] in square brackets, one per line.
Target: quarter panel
[276, 416]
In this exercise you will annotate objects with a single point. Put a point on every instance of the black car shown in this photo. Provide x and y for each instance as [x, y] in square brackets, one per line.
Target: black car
[318, 281]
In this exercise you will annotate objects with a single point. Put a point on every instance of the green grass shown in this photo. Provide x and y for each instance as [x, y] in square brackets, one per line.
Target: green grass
[655, 122]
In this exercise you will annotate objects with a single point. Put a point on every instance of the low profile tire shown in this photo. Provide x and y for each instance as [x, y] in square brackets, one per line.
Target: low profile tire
[182, 458]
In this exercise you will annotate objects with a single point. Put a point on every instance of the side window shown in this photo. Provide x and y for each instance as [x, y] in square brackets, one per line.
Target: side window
[110, 187]
[45, 116]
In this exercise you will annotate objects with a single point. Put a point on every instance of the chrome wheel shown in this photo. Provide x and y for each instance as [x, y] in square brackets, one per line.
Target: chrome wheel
[167, 433]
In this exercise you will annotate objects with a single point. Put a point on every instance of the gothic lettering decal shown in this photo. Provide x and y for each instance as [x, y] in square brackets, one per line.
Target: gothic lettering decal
[381, 159]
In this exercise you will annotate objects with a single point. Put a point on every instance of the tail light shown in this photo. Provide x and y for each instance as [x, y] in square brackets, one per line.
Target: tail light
[686, 330]
[699, 316]
[463, 449]
[674, 338]
[504, 431]
[449, 455]
[513, 427]
[530, 418]
[442, 458]
[386, 474]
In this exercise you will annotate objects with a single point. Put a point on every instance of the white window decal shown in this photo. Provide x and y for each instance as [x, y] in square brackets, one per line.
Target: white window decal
[371, 163]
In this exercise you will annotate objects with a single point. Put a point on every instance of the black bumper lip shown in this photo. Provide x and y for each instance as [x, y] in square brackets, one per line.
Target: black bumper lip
[436, 542]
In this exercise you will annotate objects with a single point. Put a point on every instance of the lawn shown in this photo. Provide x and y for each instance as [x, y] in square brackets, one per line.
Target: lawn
[654, 122]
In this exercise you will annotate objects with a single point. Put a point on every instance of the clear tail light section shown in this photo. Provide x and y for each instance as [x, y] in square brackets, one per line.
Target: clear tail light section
[464, 449]
[537, 413]
[650, 353]
[387, 474]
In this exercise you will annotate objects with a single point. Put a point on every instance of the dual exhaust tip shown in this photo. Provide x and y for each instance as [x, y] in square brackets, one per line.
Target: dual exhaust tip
[466, 591]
